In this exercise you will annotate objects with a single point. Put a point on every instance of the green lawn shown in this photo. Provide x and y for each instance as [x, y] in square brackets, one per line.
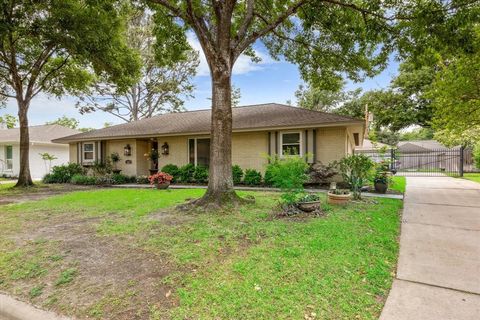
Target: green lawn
[472, 176]
[125, 254]
[399, 184]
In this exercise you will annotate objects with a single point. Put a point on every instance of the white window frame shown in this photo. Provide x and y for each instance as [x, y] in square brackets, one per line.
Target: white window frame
[86, 161]
[194, 148]
[300, 142]
[8, 162]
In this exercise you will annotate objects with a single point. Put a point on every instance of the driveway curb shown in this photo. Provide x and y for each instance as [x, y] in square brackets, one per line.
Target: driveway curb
[12, 309]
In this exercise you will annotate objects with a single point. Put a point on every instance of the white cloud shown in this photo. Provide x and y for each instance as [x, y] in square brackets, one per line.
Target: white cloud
[243, 65]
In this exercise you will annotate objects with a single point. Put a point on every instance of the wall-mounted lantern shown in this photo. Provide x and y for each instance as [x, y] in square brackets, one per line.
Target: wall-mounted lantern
[165, 148]
[127, 150]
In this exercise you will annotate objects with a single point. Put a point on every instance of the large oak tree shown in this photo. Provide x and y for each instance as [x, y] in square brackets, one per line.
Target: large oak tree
[55, 47]
[327, 39]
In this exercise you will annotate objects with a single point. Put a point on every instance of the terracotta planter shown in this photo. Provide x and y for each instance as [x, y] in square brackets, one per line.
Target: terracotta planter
[162, 186]
[309, 206]
[339, 198]
[381, 187]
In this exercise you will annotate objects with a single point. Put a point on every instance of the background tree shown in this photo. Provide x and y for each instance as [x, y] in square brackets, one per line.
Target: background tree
[65, 121]
[327, 39]
[312, 98]
[54, 47]
[9, 121]
[164, 82]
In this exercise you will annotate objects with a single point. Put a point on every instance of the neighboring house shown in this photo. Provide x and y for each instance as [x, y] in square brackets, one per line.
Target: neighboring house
[377, 151]
[258, 131]
[40, 142]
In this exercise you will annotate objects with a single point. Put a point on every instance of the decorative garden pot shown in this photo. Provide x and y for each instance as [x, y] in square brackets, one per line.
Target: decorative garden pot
[338, 198]
[153, 171]
[116, 171]
[309, 206]
[381, 187]
[164, 185]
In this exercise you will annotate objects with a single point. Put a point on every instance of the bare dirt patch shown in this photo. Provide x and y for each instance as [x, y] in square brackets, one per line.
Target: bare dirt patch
[114, 277]
[38, 193]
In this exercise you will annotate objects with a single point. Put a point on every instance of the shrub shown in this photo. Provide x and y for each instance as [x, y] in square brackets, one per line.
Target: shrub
[201, 174]
[321, 173]
[172, 170]
[252, 177]
[142, 180]
[63, 173]
[356, 170]
[186, 173]
[83, 180]
[268, 177]
[237, 174]
[101, 168]
[104, 180]
[289, 174]
[118, 178]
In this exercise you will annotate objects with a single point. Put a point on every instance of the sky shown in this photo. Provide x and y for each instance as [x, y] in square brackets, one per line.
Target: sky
[263, 82]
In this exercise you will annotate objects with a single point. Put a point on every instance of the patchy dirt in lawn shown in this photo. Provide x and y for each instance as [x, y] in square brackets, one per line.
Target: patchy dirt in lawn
[38, 193]
[113, 278]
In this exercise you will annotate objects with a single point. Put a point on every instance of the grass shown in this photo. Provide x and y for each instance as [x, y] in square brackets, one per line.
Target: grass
[141, 260]
[399, 184]
[472, 176]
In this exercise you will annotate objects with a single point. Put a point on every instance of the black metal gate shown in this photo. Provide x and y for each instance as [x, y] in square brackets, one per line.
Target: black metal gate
[431, 163]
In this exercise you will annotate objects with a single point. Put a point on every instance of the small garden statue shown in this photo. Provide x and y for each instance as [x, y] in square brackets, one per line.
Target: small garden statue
[115, 157]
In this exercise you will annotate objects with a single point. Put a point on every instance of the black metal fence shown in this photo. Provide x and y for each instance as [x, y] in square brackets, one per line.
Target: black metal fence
[439, 162]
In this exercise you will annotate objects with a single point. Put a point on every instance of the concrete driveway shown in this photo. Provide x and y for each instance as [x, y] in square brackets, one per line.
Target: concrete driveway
[438, 275]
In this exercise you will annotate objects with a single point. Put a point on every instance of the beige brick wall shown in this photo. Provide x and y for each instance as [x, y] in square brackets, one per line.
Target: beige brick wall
[143, 164]
[118, 146]
[249, 150]
[178, 151]
[331, 144]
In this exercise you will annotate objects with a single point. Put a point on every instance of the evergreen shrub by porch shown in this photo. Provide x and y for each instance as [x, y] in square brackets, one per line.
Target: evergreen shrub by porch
[200, 175]
[83, 180]
[63, 173]
[186, 173]
[252, 177]
[172, 170]
[237, 174]
[119, 178]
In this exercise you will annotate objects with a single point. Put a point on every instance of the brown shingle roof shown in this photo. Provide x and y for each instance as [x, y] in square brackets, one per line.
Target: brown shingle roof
[252, 117]
[39, 134]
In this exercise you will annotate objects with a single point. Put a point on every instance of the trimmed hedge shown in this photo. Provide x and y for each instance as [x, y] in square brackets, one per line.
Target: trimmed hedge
[252, 177]
[200, 174]
[186, 173]
[172, 170]
[237, 174]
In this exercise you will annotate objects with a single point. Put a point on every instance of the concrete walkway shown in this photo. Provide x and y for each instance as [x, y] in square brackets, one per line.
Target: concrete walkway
[11, 309]
[438, 275]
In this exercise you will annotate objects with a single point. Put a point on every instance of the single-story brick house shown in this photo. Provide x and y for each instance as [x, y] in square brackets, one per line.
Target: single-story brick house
[258, 131]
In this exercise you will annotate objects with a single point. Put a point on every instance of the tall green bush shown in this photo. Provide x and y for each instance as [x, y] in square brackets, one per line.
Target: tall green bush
[476, 155]
[186, 173]
[252, 177]
[200, 175]
[356, 170]
[63, 173]
[237, 174]
[172, 170]
[289, 174]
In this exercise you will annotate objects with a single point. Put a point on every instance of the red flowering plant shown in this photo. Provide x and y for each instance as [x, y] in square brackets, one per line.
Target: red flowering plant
[160, 178]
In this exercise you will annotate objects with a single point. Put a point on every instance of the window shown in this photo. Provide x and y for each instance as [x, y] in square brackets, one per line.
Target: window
[9, 157]
[88, 152]
[291, 143]
[199, 152]
[356, 138]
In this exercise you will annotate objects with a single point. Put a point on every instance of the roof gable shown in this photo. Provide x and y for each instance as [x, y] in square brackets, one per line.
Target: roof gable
[39, 134]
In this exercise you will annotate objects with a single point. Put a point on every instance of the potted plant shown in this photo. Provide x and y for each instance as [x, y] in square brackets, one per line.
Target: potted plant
[309, 202]
[161, 180]
[381, 179]
[153, 157]
[115, 157]
[338, 196]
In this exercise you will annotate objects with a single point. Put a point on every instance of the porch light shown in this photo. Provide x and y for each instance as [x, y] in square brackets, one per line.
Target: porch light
[127, 150]
[165, 148]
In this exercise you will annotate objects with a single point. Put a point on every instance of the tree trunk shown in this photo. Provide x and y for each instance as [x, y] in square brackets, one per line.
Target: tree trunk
[220, 190]
[24, 177]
